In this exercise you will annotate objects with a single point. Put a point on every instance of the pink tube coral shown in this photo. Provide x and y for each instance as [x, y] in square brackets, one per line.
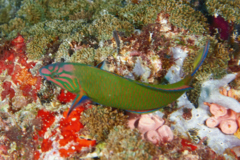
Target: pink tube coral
[216, 109]
[146, 123]
[151, 127]
[152, 136]
[165, 133]
[225, 119]
[228, 126]
[212, 122]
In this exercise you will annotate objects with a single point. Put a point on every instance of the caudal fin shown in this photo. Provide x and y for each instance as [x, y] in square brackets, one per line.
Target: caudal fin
[200, 58]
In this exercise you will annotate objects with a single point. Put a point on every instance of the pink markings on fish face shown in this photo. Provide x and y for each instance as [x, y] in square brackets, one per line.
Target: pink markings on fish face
[60, 70]
[55, 69]
[54, 81]
[64, 80]
[66, 75]
[50, 67]
[45, 71]
[68, 67]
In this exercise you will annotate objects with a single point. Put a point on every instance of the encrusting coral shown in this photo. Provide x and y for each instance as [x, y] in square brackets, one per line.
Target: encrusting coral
[126, 143]
[107, 118]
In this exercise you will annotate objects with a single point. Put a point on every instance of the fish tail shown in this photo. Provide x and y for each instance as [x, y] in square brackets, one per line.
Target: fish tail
[200, 58]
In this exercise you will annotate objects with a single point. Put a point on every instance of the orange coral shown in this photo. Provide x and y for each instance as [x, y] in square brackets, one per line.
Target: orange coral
[68, 137]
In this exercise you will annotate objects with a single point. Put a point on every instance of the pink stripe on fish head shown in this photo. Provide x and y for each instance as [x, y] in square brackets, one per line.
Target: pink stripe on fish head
[68, 67]
[45, 71]
[56, 68]
[64, 80]
[66, 75]
[50, 67]
[60, 70]
[56, 82]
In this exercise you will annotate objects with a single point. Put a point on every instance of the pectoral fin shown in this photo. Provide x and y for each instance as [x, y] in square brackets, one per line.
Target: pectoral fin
[78, 101]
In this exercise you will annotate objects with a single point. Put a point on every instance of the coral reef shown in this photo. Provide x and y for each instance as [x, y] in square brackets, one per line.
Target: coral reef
[124, 143]
[19, 83]
[107, 118]
[228, 9]
[159, 40]
[215, 66]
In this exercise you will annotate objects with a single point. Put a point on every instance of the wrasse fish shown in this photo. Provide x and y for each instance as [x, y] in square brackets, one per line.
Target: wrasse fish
[106, 88]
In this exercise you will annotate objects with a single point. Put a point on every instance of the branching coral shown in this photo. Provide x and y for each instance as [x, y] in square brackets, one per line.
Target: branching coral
[228, 9]
[84, 55]
[138, 15]
[103, 27]
[107, 118]
[123, 143]
[186, 17]
[182, 15]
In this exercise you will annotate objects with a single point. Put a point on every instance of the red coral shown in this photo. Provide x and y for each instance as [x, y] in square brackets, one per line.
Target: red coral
[7, 90]
[46, 145]
[69, 132]
[47, 118]
[69, 128]
[36, 155]
[21, 75]
[187, 145]
[66, 97]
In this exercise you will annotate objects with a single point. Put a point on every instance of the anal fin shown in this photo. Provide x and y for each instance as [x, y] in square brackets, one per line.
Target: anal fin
[78, 101]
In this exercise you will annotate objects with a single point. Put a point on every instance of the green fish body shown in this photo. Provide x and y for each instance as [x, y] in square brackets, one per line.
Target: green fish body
[109, 89]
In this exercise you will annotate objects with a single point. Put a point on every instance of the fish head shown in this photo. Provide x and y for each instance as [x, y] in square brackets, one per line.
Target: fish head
[60, 74]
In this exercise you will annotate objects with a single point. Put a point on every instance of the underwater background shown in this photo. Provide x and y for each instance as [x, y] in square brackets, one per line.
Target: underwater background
[149, 41]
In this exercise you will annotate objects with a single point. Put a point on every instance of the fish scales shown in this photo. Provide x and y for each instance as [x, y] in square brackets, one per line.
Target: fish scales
[125, 95]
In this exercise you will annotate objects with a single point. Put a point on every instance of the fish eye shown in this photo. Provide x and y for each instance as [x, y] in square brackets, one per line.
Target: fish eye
[56, 76]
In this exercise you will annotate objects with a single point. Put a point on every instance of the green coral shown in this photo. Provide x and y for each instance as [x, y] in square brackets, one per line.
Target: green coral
[85, 55]
[138, 15]
[123, 143]
[228, 9]
[183, 15]
[43, 34]
[214, 66]
[100, 120]
[103, 27]
[186, 17]
[8, 9]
